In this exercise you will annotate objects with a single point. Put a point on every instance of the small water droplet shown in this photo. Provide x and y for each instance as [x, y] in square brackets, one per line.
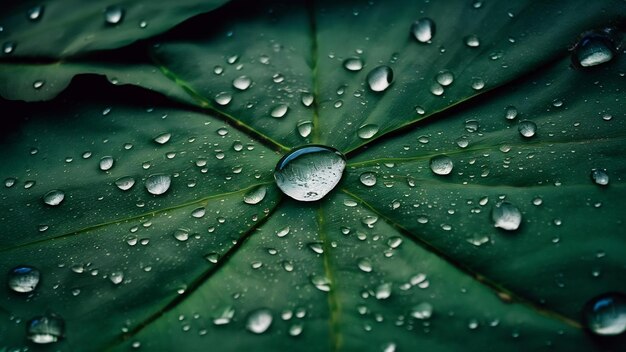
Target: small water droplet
[478, 83]
[255, 196]
[116, 277]
[259, 321]
[8, 47]
[282, 233]
[368, 179]
[181, 234]
[35, 13]
[367, 131]
[606, 314]
[353, 64]
[242, 82]
[10, 182]
[423, 30]
[310, 172]
[23, 278]
[45, 328]
[125, 183]
[365, 265]
[113, 15]
[383, 291]
[54, 197]
[600, 177]
[472, 41]
[38, 84]
[162, 138]
[322, 283]
[441, 165]
[279, 111]
[317, 247]
[527, 128]
[380, 78]
[158, 184]
[212, 257]
[106, 163]
[307, 99]
[510, 112]
[506, 216]
[471, 126]
[422, 311]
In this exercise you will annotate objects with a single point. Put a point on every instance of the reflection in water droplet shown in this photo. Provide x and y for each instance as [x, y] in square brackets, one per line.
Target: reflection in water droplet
[527, 128]
[353, 64]
[600, 177]
[304, 128]
[106, 163]
[259, 321]
[380, 78]
[279, 111]
[506, 216]
[368, 179]
[423, 30]
[593, 49]
[308, 173]
[45, 329]
[242, 82]
[23, 278]
[54, 197]
[113, 15]
[255, 196]
[367, 131]
[441, 165]
[606, 314]
[158, 184]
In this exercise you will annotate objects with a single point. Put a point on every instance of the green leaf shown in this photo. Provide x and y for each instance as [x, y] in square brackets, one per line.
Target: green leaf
[411, 261]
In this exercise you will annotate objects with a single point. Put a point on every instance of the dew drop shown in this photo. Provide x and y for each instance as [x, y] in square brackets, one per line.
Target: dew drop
[113, 15]
[106, 163]
[242, 82]
[35, 13]
[592, 50]
[506, 216]
[54, 197]
[38, 84]
[441, 165]
[310, 172]
[223, 98]
[279, 111]
[527, 128]
[600, 177]
[116, 277]
[45, 329]
[162, 138]
[445, 78]
[23, 278]
[510, 112]
[367, 131]
[255, 196]
[181, 234]
[158, 184]
[125, 183]
[304, 128]
[259, 321]
[8, 47]
[353, 64]
[472, 41]
[380, 78]
[368, 179]
[307, 99]
[423, 30]
[365, 265]
[422, 311]
[606, 314]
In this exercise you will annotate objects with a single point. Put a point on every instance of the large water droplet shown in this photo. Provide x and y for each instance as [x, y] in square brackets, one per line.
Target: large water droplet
[45, 329]
[423, 30]
[242, 82]
[506, 216]
[606, 314]
[113, 15]
[353, 64]
[527, 128]
[158, 184]
[255, 196]
[380, 78]
[54, 197]
[259, 321]
[106, 163]
[441, 165]
[308, 173]
[367, 131]
[23, 278]
[600, 177]
[593, 49]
